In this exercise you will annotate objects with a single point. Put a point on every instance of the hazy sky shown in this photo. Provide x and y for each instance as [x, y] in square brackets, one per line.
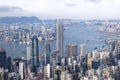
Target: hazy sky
[75, 9]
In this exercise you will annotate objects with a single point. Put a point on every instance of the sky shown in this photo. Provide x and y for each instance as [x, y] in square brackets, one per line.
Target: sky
[70, 9]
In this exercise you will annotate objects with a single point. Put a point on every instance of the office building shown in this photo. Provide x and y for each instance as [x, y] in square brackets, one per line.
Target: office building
[111, 47]
[74, 65]
[59, 36]
[21, 70]
[63, 61]
[48, 70]
[34, 54]
[28, 53]
[1, 74]
[63, 75]
[47, 53]
[27, 36]
[83, 50]
[6, 74]
[95, 64]
[57, 72]
[71, 50]
[9, 64]
[43, 29]
[2, 58]
[89, 61]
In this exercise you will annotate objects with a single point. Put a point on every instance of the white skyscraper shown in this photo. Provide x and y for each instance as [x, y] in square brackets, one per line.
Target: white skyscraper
[83, 50]
[48, 70]
[21, 69]
[59, 36]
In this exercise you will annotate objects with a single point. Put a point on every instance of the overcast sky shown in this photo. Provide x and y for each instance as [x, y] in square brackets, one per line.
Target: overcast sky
[74, 9]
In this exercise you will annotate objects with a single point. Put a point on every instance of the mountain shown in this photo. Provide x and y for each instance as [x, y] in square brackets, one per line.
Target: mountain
[9, 20]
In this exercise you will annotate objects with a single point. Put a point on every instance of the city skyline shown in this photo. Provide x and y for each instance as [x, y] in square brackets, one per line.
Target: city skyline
[59, 40]
[40, 59]
[74, 9]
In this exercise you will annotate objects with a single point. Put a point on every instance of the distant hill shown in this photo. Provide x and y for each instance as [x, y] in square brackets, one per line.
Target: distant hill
[9, 20]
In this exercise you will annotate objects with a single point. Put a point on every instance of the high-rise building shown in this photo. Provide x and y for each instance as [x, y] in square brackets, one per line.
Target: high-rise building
[1, 74]
[71, 50]
[43, 29]
[9, 64]
[2, 58]
[57, 72]
[83, 50]
[6, 74]
[28, 53]
[21, 72]
[34, 54]
[47, 53]
[95, 64]
[27, 36]
[59, 36]
[48, 70]
[63, 75]
[74, 65]
[111, 47]
[89, 61]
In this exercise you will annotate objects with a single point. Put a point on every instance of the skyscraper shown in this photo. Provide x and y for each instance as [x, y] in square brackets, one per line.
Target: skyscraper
[112, 47]
[9, 64]
[43, 29]
[83, 49]
[48, 70]
[28, 53]
[71, 50]
[47, 53]
[21, 72]
[2, 58]
[34, 54]
[59, 36]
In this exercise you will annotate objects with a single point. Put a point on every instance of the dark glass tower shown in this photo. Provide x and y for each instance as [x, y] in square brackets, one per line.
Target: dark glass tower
[34, 54]
[2, 58]
[9, 64]
[47, 53]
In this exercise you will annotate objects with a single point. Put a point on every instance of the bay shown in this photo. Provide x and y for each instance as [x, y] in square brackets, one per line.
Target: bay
[72, 35]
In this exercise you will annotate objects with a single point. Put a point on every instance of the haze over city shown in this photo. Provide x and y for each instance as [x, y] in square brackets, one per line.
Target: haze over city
[73, 9]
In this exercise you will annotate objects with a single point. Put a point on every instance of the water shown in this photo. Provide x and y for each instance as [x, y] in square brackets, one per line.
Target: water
[73, 35]
[86, 35]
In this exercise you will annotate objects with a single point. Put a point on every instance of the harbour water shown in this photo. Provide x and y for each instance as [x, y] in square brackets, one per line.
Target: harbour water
[72, 35]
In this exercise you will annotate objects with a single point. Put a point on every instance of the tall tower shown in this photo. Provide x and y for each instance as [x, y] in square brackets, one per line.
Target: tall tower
[28, 53]
[34, 54]
[47, 53]
[2, 58]
[59, 33]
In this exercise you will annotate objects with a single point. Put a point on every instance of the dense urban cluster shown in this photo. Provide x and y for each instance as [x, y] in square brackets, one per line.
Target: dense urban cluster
[22, 32]
[111, 27]
[59, 65]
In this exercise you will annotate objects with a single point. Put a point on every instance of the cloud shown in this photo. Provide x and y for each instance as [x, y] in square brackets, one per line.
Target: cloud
[95, 1]
[70, 4]
[10, 9]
